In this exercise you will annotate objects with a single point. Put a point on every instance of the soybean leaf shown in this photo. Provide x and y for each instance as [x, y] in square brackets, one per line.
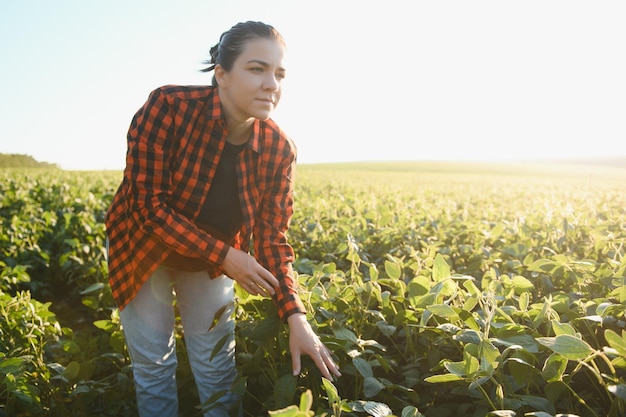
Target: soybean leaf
[456, 368]
[502, 413]
[553, 368]
[443, 378]
[364, 368]
[285, 390]
[331, 392]
[568, 346]
[372, 386]
[377, 409]
[521, 284]
[393, 270]
[445, 311]
[562, 328]
[615, 341]
[441, 269]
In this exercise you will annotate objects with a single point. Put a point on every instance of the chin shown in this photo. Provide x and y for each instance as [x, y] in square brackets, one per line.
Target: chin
[263, 115]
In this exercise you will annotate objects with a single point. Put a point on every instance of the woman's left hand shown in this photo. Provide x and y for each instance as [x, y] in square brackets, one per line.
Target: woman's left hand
[302, 339]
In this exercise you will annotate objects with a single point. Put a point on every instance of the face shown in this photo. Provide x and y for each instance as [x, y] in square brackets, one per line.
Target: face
[252, 88]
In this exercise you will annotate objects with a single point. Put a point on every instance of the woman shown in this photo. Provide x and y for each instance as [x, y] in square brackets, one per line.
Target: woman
[207, 171]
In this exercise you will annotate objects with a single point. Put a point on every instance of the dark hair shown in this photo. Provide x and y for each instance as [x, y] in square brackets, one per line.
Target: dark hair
[232, 42]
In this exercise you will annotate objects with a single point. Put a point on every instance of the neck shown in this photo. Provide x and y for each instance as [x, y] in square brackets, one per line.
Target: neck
[239, 132]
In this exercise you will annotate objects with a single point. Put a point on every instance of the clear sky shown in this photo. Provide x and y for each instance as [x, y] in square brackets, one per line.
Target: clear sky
[367, 80]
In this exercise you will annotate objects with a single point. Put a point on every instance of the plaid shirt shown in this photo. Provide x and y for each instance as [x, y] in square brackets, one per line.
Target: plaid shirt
[174, 145]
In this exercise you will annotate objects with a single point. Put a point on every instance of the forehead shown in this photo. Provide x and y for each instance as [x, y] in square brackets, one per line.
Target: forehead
[262, 50]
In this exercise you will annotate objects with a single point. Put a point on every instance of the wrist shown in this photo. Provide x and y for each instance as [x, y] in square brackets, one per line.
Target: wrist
[299, 317]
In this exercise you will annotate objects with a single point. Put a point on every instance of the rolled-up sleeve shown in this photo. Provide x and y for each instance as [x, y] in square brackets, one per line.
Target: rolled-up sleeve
[271, 245]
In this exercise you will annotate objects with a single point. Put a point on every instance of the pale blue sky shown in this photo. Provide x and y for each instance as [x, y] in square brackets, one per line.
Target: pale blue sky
[368, 80]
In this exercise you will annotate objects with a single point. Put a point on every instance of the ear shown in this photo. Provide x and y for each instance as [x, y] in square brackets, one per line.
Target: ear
[220, 75]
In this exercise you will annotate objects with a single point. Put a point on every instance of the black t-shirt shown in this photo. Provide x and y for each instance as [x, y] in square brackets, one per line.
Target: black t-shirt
[221, 214]
[222, 208]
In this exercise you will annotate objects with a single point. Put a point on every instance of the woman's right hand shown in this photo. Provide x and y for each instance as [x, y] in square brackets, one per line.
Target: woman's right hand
[249, 274]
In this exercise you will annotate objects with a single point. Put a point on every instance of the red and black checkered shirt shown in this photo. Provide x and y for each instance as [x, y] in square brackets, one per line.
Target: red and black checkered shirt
[175, 141]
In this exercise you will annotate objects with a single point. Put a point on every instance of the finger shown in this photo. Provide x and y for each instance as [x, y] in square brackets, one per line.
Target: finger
[328, 365]
[255, 288]
[332, 365]
[295, 363]
[251, 288]
[267, 277]
[320, 362]
[266, 287]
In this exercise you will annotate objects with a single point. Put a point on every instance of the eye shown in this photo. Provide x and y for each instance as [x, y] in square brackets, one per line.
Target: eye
[280, 75]
[257, 69]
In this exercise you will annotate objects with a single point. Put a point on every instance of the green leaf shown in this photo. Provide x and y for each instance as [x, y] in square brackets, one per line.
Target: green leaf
[386, 329]
[501, 413]
[554, 368]
[377, 409]
[471, 362]
[373, 272]
[490, 356]
[524, 300]
[93, 288]
[423, 300]
[118, 342]
[306, 401]
[418, 286]
[468, 336]
[543, 265]
[445, 311]
[619, 293]
[285, 390]
[291, 411]
[441, 269]
[364, 368]
[568, 346]
[12, 365]
[470, 303]
[562, 328]
[527, 341]
[331, 392]
[436, 379]
[615, 341]
[410, 411]
[106, 325]
[371, 386]
[72, 370]
[449, 328]
[372, 408]
[521, 284]
[537, 403]
[456, 368]
[393, 270]
[472, 289]
[343, 333]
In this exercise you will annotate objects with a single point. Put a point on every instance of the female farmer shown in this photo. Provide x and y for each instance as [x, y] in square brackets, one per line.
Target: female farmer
[207, 173]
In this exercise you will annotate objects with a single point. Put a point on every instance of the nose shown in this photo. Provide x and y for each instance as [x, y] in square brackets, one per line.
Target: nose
[271, 83]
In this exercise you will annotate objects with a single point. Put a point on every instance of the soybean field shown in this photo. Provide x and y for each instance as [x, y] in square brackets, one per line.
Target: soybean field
[443, 289]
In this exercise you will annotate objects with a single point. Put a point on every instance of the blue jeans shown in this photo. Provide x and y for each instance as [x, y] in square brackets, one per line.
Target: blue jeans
[148, 325]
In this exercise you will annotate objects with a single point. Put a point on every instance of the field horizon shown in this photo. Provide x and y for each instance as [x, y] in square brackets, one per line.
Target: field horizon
[599, 167]
[574, 169]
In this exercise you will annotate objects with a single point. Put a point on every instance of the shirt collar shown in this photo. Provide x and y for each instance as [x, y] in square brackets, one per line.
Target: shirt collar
[217, 113]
